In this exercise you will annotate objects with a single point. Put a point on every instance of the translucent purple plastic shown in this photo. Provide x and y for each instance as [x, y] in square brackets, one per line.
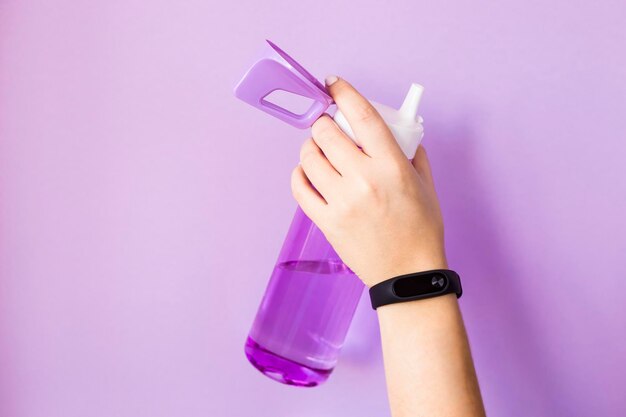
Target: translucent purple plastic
[306, 311]
[311, 297]
[276, 70]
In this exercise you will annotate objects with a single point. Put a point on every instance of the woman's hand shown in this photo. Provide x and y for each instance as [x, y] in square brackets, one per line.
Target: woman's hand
[378, 210]
[380, 213]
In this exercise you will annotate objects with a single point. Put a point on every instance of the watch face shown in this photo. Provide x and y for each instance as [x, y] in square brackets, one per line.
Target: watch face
[427, 284]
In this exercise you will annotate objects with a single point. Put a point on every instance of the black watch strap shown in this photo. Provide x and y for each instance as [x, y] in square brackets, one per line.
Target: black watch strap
[416, 286]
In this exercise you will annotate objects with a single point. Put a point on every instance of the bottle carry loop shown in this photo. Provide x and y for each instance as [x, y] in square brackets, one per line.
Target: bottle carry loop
[278, 71]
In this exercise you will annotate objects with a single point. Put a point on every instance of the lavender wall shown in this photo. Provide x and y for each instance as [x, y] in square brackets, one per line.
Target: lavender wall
[142, 206]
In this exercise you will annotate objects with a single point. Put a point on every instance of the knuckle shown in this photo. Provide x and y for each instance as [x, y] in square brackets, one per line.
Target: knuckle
[307, 150]
[323, 134]
[364, 188]
[308, 161]
[344, 210]
[305, 157]
[365, 113]
[295, 192]
[320, 123]
[295, 176]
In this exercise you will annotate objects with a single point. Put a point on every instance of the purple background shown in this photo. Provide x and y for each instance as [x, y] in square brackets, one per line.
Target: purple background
[142, 207]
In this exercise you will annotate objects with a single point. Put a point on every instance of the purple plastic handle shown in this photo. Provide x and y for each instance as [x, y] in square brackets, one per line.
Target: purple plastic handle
[278, 71]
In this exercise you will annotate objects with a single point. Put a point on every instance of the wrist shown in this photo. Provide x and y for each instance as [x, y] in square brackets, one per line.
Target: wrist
[446, 302]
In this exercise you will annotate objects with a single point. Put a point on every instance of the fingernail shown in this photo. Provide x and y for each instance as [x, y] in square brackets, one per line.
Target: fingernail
[330, 80]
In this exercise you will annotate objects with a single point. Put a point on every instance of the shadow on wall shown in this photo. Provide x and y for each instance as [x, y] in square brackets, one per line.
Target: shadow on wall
[515, 378]
[514, 374]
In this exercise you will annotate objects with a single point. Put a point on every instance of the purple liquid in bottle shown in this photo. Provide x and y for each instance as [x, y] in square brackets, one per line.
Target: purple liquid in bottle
[310, 300]
[306, 311]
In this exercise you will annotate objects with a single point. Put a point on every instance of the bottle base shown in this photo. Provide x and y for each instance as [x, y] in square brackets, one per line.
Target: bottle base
[283, 370]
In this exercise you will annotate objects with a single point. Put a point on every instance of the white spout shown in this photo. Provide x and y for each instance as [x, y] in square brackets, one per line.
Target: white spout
[404, 124]
[408, 110]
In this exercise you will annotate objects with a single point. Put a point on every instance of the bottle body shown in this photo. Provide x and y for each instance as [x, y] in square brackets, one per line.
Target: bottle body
[306, 311]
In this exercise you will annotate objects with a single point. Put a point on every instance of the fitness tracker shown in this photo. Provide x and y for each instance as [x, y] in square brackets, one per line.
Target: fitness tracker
[415, 286]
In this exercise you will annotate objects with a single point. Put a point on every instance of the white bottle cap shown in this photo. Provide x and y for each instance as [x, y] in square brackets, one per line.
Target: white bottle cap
[405, 123]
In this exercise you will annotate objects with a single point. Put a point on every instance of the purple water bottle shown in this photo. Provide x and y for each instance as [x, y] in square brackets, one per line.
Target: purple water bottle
[312, 295]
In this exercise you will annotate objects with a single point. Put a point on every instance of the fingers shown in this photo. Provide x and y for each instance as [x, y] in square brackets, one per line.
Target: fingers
[370, 129]
[421, 164]
[317, 168]
[307, 197]
[339, 149]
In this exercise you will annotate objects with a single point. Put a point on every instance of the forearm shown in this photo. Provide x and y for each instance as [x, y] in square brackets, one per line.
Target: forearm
[376, 209]
[428, 363]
